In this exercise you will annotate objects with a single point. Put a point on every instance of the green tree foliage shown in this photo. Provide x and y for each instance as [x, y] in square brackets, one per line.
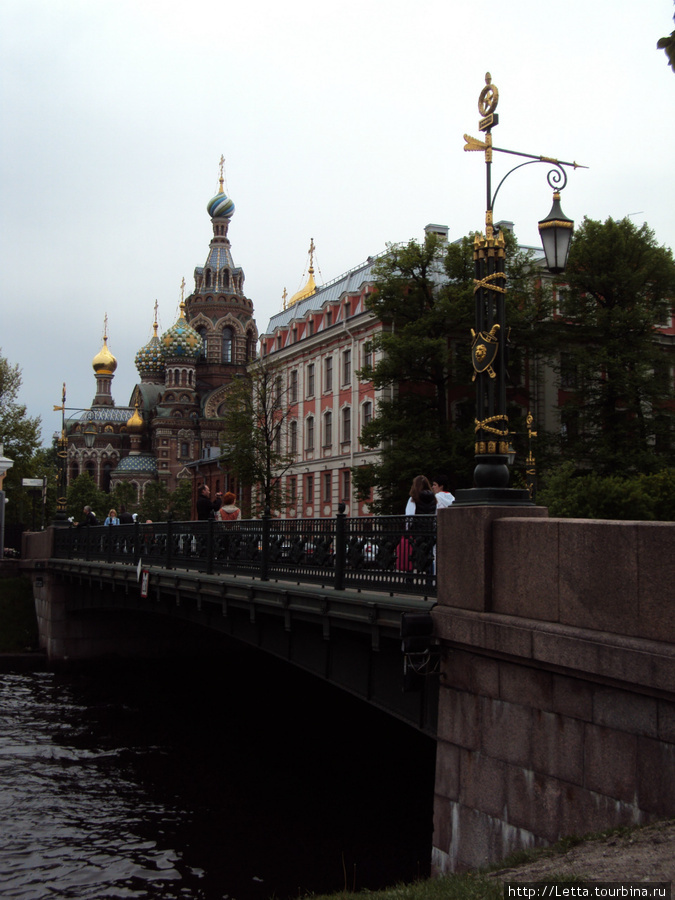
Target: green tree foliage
[20, 435]
[572, 494]
[83, 491]
[425, 298]
[667, 44]
[619, 415]
[180, 501]
[155, 502]
[254, 441]
[124, 496]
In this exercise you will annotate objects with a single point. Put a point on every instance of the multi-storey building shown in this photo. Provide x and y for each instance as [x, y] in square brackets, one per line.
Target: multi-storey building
[320, 342]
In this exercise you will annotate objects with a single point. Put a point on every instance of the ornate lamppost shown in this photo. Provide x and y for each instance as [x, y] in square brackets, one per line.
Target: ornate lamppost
[60, 519]
[491, 474]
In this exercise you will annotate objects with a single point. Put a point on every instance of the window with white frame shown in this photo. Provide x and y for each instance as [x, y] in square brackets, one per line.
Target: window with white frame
[346, 366]
[309, 433]
[366, 412]
[328, 429]
[346, 425]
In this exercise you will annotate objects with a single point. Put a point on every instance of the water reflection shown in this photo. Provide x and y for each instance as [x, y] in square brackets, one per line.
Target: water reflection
[240, 780]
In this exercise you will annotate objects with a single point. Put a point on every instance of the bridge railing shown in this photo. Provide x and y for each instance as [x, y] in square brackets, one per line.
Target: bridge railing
[385, 553]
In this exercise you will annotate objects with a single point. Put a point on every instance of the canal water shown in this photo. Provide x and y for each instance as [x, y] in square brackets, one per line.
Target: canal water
[240, 779]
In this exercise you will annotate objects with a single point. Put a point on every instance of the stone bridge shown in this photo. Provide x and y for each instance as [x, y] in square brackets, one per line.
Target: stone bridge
[554, 704]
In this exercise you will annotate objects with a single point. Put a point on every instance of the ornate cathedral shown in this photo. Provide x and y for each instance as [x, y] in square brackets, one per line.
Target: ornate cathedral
[173, 418]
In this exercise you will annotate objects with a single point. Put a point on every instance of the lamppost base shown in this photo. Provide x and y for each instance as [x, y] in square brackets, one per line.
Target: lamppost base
[493, 496]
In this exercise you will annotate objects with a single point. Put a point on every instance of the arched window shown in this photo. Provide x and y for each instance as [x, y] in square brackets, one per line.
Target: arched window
[228, 345]
[201, 331]
[208, 278]
[225, 279]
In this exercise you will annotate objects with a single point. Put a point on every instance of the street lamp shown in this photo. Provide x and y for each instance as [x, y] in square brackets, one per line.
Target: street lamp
[491, 474]
[5, 465]
[60, 518]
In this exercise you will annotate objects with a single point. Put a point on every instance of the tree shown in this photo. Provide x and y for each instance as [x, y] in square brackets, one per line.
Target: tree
[19, 433]
[425, 299]
[124, 496]
[83, 491]
[618, 416]
[154, 504]
[180, 501]
[667, 44]
[255, 441]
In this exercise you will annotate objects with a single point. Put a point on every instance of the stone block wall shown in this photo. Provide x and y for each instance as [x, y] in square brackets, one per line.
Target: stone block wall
[557, 692]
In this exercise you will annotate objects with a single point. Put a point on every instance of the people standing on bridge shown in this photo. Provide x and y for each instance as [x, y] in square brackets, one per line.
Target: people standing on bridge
[111, 518]
[228, 512]
[443, 498]
[206, 507]
[88, 519]
[421, 500]
[125, 517]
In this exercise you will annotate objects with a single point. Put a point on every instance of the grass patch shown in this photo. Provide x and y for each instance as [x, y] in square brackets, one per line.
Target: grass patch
[18, 622]
[468, 886]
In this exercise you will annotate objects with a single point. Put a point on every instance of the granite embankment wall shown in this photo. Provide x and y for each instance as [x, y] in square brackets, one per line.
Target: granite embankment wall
[557, 699]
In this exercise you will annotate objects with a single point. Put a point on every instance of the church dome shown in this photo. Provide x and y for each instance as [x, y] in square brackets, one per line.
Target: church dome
[310, 286]
[181, 339]
[135, 422]
[137, 464]
[149, 359]
[220, 206]
[104, 363]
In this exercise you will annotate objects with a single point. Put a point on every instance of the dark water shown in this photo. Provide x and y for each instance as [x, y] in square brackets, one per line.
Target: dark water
[243, 780]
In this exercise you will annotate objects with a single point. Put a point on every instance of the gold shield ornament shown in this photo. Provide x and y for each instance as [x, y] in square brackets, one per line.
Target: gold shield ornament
[484, 351]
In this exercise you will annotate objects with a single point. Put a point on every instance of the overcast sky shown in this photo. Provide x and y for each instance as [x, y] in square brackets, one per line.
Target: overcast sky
[341, 122]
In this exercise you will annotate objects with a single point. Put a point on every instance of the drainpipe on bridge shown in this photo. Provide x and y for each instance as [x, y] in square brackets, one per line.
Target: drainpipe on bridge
[340, 549]
[265, 549]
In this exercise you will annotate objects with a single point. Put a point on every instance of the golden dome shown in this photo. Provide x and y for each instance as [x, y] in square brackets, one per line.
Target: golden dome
[135, 423]
[310, 287]
[104, 362]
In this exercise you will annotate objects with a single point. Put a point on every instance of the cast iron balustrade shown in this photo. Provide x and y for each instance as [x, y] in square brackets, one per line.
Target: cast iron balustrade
[394, 554]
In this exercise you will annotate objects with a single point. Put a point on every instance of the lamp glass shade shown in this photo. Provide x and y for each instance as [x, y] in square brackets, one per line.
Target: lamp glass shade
[556, 237]
[89, 435]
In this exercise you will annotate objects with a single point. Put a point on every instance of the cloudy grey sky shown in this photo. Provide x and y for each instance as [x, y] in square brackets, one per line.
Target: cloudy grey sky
[341, 122]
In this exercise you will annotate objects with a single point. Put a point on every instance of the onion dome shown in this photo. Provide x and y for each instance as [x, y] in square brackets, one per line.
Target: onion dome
[220, 206]
[181, 339]
[149, 359]
[135, 422]
[104, 363]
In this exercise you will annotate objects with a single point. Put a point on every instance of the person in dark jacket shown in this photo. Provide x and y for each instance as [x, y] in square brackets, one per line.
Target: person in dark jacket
[88, 519]
[206, 507]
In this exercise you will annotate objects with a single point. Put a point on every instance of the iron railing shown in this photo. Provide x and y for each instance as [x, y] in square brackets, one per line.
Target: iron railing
[395, 554]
